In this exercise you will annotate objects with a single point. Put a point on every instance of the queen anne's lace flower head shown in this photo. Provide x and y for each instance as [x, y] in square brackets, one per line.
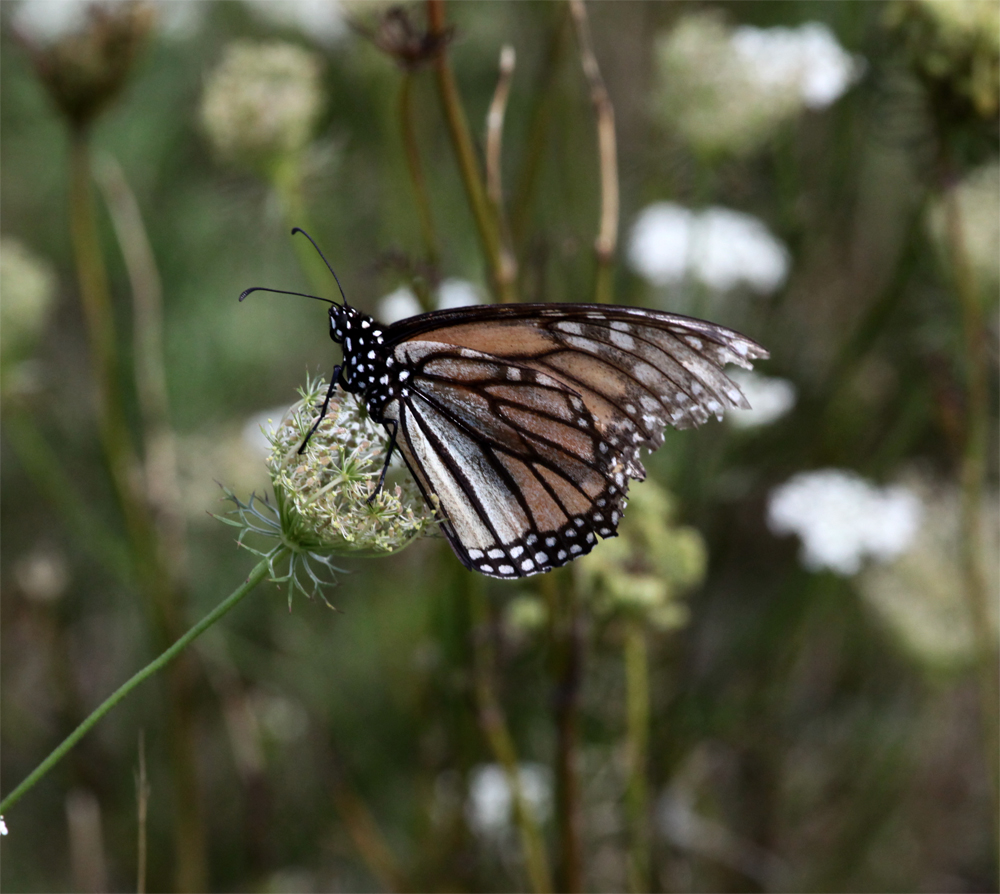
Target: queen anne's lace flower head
[842, 519]
[727, 90]
[261, 102]
[325, 500]
[327, 488]
[718, 247]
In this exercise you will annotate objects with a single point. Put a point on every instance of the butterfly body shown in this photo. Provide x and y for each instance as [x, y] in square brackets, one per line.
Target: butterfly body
[522, 424]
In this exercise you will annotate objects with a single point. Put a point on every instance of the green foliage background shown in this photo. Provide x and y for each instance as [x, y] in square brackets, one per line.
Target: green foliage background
[332, 751]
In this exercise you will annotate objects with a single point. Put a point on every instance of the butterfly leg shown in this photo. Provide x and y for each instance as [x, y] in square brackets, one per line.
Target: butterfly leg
[322, 412]
[388, 457]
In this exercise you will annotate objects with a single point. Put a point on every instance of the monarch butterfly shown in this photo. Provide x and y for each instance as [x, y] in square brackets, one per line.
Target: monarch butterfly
[524, 421]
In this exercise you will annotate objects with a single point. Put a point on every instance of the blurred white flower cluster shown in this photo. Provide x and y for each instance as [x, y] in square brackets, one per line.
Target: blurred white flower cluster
[921, 596]
[261, 102]
[718, 247]
[403, 303]
[320, 20]
[727, 90]
[841, 519]
[46, 22]
[770, 398]
[978, 199]
[490, 804]
[28, 288]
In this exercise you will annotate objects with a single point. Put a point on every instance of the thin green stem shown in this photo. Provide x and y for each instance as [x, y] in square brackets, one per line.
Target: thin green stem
[606, 243]
[156, 576]
[637, 748]
[972, 481]
[566, 660]
[543, 99]
[494, 727]
[421, 197]
[286, 178]
[255, 577]
[461, 138]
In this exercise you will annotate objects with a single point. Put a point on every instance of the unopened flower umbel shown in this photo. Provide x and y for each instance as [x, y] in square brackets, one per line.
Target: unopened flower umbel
[323, 497]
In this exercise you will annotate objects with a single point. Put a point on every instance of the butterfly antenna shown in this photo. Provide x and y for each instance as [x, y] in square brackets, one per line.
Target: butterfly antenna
[283, 292]
[325, 261]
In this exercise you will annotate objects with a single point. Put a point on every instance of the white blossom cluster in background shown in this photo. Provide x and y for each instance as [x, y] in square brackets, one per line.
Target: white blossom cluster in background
[320, 20]
[46, 22]
[842, 519]
[718, 247]
[28, 286]
[262, 101]
[977, 197]
[403, 303]
[728, 89]
[769, 397]
[921, 597]
[490, 804]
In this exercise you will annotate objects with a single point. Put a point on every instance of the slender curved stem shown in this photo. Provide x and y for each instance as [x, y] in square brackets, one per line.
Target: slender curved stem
[458, 129]
[432, 253]
[637, 749]
[493, 723]
[607, 237]
[254, 578]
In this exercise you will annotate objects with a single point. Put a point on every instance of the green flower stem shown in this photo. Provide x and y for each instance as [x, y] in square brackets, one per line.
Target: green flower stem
[458, 129]
[494, 727]
[972, 481]
[421, 197]
[543, 98]
[286, 178]
[255, 577]
[157, 579]
[637, 748]
[606, 242]
[566, 671]
[161, 478]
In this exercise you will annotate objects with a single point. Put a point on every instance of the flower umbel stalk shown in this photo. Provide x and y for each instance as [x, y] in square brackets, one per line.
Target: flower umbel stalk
[255, 577]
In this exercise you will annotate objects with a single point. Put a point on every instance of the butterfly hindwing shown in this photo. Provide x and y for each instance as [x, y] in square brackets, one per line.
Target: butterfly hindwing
[513, 457]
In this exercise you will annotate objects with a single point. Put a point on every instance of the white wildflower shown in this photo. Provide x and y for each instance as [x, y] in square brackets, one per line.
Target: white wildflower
[320, 20]
[807, 59]
[403, 303]
[45, 22]
[770, 399]
[397, 305]
[841, 518]
[454, 293]
[491, 802]
[28, 285]
[718, 247]
[921, 596]
[3, 826]
[728, 90]
[978, 200]
[262, 101]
